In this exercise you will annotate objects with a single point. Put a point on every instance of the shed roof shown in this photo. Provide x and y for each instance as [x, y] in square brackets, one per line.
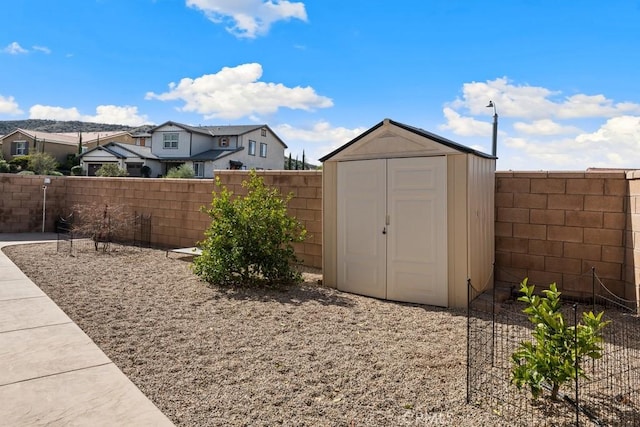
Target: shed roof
[420, 132]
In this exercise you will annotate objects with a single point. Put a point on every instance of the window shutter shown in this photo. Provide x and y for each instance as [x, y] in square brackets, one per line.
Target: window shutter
[14, 147]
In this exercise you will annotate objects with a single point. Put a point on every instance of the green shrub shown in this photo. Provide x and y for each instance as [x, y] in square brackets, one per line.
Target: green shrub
[111, 169]
[26, 173]
[19, 163]
[553, 355]
[4, 166]
[77, 171]
[182, 171]
[250, 239]
[42, 163]
[145, 171]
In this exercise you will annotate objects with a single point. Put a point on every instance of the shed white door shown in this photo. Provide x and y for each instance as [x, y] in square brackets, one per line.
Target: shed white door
[392, 229]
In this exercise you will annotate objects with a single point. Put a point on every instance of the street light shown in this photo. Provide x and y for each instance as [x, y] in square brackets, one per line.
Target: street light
[494, 146]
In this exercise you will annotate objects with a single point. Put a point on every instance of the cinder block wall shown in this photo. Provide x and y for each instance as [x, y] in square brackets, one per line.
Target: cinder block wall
[174, 204]
[632, 239]
[556, 226]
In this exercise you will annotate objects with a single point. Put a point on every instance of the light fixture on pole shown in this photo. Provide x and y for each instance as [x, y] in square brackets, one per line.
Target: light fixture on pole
[494, 145]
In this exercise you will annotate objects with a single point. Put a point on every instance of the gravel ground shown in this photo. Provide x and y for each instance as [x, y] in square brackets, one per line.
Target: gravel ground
[307, 355]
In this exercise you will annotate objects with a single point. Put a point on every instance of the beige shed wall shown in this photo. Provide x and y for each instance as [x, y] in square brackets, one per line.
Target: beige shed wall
[470, 244]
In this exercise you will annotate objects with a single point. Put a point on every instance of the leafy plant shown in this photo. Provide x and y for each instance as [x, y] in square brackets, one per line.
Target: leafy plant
[182, 171]
[4, 166]
[19, 163]
[111, 169]
[250, 239]
[77, 171]
[145, 171]
[551, 358]
[42, 163]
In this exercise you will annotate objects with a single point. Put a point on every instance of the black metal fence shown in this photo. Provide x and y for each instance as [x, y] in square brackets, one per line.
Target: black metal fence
[609, 396]
[108, 234]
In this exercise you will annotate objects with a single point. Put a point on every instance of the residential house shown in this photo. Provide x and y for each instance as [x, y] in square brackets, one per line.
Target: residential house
[207, 148]
[130, 157]
[93, 139]
[22, 142]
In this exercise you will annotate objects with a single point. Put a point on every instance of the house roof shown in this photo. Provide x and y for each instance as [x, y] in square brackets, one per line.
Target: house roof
[88, 137]
[56, 138]
[123, 151]
[208, 155]
[220, 130]
[421, 132]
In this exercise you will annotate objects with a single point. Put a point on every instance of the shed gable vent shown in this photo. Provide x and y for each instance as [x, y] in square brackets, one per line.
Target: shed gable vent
[224, 142]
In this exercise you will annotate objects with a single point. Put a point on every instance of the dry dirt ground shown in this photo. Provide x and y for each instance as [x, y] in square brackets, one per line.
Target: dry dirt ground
[298, 356]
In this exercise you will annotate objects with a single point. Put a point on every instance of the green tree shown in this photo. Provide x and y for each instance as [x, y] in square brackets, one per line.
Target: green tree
[182, 171]
[42, 163]
[250, 239]
[111, 169]
[551, 358]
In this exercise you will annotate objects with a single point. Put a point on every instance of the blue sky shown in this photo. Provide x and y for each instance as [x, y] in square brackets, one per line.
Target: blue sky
[564, 75]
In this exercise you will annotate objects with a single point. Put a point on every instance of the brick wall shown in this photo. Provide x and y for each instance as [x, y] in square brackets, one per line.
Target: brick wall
[556, 226]
[632, 239]
[173, 203]
[550, 226]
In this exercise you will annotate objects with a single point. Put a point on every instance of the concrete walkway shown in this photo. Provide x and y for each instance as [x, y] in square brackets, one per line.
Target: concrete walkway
[52, 373]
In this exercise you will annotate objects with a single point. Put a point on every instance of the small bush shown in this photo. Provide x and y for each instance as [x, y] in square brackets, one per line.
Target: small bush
[4, 166]
[77, 171]
[552, 357]
[26, 173]
[182, 171]
[250, 238]
[20, 163]
[145, 171]
[102, 223]
[111, 169]
[42, 163]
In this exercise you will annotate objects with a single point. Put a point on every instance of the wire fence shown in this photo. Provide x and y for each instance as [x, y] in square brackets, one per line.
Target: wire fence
[608, 396]
[109, 233]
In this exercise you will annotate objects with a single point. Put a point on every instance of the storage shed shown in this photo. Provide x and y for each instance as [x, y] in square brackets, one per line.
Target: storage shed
[408, 216]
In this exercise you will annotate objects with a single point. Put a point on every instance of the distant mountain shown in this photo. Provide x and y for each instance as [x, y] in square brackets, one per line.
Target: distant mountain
[55, 126]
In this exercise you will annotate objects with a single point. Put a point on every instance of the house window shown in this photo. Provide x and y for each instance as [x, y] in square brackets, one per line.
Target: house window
[170, 140]
[263, 132]
[263, 149]
[20, 148]
[252, 148]
[198, 169]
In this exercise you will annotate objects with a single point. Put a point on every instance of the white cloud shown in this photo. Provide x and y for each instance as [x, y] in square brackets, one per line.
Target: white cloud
[14, 49]
[623, 131]
[464, 126]
[8, 105]
[42, 49]
[249, 18]
[111, 114]
[545, 127]
[233, 93]
[317, 140]
[47, 112]
[125, 115]
[534, 102]
[540, 129]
